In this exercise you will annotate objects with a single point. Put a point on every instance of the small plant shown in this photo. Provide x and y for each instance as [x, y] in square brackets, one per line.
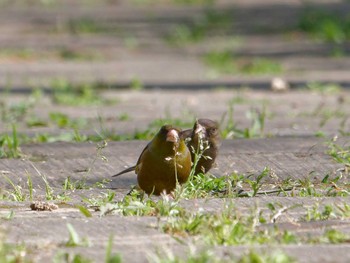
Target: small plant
[314, 213]
[87, 25]
[211, 22]
[124, 117]
[74, 239]
[206, 256]
[18, 194]
[68, 184]
[81, 55]
[9, 144]
[111, 258]
[136, 84]
[16, 112]
[255, 130]
[324, 88]
[10, 253]
[63, 121]
[274, 257]
[334, 236]
[325, 25]
[76, 95]
[133, 205]
[257, 184]
[224, 62]
[228, 227]
[194, 2]
[341, 154]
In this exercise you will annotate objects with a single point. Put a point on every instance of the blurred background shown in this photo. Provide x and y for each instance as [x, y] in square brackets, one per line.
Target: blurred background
[91, 66]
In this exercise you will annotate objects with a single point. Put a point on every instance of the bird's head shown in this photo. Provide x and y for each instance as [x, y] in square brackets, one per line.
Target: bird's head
[172, 136]
[208, 127]
[169, 134]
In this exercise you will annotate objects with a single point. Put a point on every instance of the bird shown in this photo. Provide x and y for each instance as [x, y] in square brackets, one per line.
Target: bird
[205, 132]
[165, 161]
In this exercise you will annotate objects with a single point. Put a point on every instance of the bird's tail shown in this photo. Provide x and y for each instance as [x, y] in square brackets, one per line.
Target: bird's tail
[132, 168]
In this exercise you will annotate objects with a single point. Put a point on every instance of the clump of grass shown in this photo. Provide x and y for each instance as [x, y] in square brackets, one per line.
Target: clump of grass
[70, 54]
[63, 121]
[228, 227]
[100, 201]
[255, 130]
[16, 112]
[111, 257]
[325, 25]
[17, 54]
[9, 144]
[324, 88]
[194, 2]
[341, 154]
[327, 212]
[88, 25]
[207, 255]
[10, 253]
[20, 193]
[133, 205]
[136, 84]
[74, 239]
[209, 23]
[17, 194]
[224, 62]
[67, 94]
[314, 213]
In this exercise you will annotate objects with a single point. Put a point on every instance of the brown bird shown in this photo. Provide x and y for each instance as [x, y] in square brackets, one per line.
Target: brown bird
[205, 132]
[164, 161]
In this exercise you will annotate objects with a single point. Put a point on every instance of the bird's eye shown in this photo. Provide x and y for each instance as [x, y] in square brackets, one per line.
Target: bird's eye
[214, 131]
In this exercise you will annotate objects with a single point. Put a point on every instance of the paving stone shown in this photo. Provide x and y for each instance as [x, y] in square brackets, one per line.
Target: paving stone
[289, 148]
[294, 158]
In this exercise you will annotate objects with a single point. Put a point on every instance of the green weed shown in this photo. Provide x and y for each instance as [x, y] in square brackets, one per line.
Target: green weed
[194, 2]
[111, 258]
[325, 25]
[224, 62]
[228, 227]
[10, 253]
[87, 25]
[207, 255]
[340, 154]
[63, 121]
[255, 130]
[12, 113]
[71, 257]
[324, 88]
[136, 84]
[209, 23]
[133, 205]
[74, 239]
[9, 144]
[18, 194]
[314, 213]
[76, 95]
[101, 200]
[70, 54]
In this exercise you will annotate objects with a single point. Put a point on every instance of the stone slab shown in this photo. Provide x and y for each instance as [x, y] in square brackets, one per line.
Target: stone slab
[138, 239]
[295, 158]
[46, 32]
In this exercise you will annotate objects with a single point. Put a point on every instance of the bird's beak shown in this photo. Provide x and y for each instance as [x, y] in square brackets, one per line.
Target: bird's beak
[199, 129]
[172, 136]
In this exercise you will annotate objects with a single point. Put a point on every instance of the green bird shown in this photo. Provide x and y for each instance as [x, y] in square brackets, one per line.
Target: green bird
[165, 161]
